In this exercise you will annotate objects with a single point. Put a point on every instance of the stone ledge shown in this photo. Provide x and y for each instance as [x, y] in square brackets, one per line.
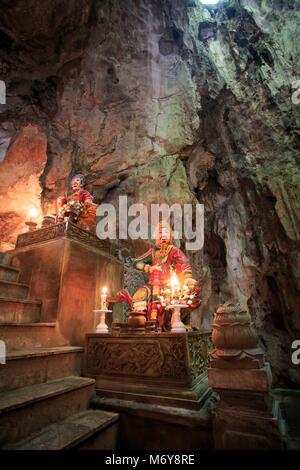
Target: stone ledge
[258, 380]
[69, 433]
[180, 416]
[65, 230]
[25, 396]
[42, 352]
[21, 301]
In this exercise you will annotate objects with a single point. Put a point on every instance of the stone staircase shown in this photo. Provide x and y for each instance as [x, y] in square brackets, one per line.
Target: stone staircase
[20, 324]
[43, 400]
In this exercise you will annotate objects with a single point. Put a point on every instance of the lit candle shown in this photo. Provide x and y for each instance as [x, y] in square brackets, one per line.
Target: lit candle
[174, 285]
[103, 298]
[33, 213]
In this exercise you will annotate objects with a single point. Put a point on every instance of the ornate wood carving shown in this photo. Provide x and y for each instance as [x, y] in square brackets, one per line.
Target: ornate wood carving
[67, 230]
[43, 234]
[199, 349]
[157, 368]
[156, 358]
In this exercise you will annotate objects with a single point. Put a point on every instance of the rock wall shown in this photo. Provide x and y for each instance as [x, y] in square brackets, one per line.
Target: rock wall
[166, 101]
[247, 57]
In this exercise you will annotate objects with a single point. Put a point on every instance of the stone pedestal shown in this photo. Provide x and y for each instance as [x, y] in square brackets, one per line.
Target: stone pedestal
[168, 369]
[243, 418]
[66, 268]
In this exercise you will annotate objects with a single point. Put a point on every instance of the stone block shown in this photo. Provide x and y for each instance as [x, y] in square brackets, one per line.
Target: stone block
[13, 290]
[8, 273]
[240, 379]
[31, 366]
[237, 428]
[31, 335]
[66, 268]
[163, 368]
[19, 310]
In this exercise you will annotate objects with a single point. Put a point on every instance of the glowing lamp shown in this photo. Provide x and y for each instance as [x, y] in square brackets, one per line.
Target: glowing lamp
[33, 213]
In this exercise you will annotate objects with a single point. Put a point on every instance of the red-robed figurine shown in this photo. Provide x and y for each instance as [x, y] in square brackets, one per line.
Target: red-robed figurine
[76, 205]
[160, 262]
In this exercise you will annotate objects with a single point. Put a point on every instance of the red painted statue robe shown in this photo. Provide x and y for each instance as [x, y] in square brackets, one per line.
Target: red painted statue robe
[171, 259]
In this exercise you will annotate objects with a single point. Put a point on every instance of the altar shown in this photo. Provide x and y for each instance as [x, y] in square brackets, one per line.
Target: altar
[167, 369]
[65, 268]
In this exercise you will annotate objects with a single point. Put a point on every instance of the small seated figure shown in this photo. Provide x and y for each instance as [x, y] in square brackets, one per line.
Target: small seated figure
[77, 205]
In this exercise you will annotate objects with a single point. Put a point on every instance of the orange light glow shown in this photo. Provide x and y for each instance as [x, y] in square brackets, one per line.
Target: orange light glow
[104, 290]
[174, 281]
[33, 213]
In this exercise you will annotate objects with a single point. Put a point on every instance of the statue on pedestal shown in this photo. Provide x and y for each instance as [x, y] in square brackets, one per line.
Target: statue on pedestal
[163, 262]
[77, 205]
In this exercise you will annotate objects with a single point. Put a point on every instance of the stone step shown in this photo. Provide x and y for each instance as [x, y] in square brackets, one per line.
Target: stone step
[13, 290]
[5, 258]
[8, 273]
[289, 416]
[30, 335]
[91, 429]
[31, 366]
[29, 409]
[148, 426]
[19, 310]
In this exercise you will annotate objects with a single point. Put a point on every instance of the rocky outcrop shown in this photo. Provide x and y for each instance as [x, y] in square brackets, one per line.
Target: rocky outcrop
[24, 163]
[248, 59]
[166, 101]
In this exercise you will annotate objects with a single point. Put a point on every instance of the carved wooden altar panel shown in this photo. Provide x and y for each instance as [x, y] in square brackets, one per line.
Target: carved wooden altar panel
[161, 368]
[150, 356]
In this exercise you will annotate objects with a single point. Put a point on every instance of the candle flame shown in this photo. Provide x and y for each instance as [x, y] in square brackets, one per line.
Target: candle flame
[33, 213]
[174, 281]
[104, 290]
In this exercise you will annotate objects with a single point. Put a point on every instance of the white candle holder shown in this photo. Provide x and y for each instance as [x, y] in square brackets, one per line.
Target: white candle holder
[102, 326]
[176, 324]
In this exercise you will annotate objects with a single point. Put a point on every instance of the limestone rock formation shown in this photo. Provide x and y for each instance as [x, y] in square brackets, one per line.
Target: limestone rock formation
[166, 101]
